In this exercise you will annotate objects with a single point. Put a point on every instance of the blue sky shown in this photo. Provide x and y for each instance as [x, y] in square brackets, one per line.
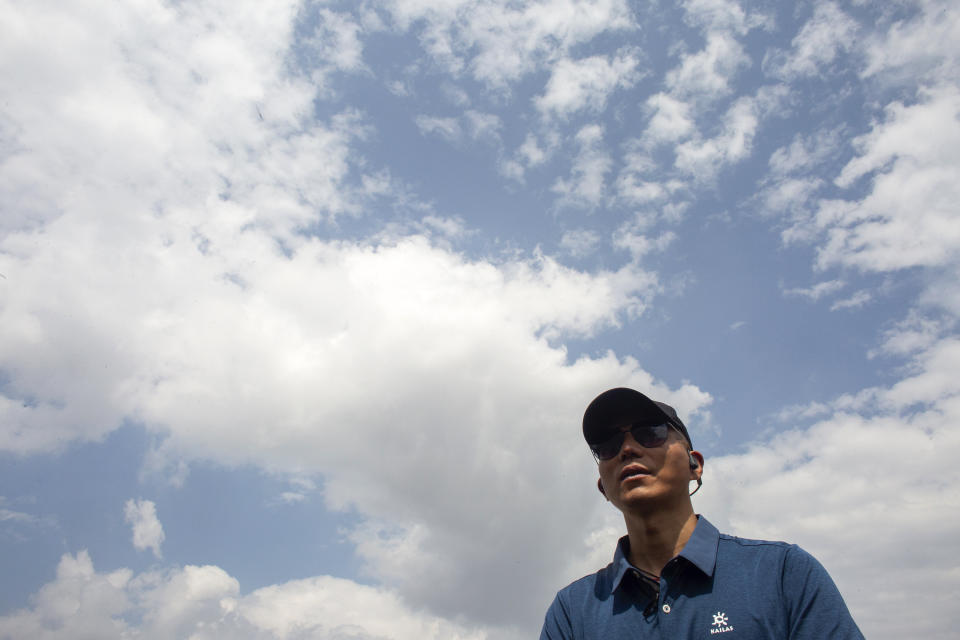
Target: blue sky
[302, 302]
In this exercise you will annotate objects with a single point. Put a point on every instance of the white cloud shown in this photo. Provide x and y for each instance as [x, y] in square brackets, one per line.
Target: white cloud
[586, 186]
[141, 515]
[818, 290]
[336, 42]
[580, 242]
[635, 190]
[79, 603]
[671, 119]
[21, 526]
[399, 88]
[922, 47]
[332, 608]
[448, 227]
[204, 602]
[639, 244]
[8, 515]
[908, 218]
[855, 301]
[828, 32]
[706, 75]
[640, 180]
[905, 163]
[512, 169]
[586, 83]
[456, 95]
[161, 101]
[805, 152]
[532, 153]
[300, 490]
[703, 159]
[914, 334]
[477, 125]
[794, 199]
[502, 42]
[722, 15]
[483, 126]
[447, 128]
[791, 188]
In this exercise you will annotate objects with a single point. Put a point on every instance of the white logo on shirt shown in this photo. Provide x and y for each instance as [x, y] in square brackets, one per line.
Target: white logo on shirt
[721, 624]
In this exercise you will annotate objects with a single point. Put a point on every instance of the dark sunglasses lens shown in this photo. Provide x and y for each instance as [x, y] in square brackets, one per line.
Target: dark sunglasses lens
[609, 447]
[650, 436]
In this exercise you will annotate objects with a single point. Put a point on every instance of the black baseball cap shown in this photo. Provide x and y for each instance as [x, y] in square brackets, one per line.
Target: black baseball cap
[615, 408]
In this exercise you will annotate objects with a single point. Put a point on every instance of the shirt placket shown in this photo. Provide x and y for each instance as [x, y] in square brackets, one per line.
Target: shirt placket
[669, 582]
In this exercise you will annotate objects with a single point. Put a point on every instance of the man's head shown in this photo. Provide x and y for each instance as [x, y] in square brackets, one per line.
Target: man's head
[643, 450]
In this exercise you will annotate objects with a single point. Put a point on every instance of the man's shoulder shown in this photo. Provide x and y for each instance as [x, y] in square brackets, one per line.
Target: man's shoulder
[753, 542]
[788, 559]
[755, 547]
[590, 585]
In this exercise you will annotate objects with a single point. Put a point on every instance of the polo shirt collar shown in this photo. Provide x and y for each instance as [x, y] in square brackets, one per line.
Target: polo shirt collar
[700, 551]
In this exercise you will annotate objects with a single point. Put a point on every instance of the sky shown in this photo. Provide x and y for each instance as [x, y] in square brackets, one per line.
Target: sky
[301, 303]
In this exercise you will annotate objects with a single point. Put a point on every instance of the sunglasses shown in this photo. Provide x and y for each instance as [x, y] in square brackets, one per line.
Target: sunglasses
[647, 435]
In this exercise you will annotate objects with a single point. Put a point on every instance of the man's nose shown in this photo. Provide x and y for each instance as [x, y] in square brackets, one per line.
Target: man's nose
[630, 446]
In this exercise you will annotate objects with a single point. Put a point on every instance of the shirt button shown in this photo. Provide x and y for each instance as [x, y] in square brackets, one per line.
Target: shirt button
[666, 608]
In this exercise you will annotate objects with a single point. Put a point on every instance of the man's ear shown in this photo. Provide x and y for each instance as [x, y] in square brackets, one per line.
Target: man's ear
[600, 488]
[696, 464]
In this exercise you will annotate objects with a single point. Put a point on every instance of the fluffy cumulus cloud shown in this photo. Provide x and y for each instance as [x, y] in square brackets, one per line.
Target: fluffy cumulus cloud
[171, 148]
[204, 602]
[670, 120]
[586, 83]
[147, 530]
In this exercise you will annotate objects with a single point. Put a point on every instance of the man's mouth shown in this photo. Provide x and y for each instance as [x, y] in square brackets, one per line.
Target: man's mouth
[632, 471]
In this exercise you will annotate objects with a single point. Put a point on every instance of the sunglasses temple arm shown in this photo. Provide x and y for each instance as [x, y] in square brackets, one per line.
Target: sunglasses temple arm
[699, 484]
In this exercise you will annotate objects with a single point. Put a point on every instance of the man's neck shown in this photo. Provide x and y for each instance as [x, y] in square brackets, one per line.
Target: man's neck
[655, 538]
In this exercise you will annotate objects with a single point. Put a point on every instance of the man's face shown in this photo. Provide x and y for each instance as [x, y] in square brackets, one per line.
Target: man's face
[641, 478]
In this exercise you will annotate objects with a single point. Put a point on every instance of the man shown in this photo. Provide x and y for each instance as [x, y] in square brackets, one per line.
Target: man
[674, 575]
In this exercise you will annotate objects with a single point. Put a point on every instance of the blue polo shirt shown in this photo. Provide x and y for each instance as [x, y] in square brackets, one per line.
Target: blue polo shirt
[719, 586]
